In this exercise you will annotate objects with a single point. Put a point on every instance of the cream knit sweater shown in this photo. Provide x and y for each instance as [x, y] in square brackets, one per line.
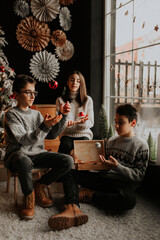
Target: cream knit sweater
[78, 130]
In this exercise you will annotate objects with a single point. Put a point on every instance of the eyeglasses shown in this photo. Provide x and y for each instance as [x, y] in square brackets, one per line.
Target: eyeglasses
[29, 93]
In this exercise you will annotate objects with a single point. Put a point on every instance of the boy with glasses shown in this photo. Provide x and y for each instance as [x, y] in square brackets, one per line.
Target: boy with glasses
[25, 130]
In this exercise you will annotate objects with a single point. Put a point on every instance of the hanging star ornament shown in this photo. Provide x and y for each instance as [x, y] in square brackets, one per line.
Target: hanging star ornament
[126, 13]
[156, 28]
[134, 19]
[143, 25]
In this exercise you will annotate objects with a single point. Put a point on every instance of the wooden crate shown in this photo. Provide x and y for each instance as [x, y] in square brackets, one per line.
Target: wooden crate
[88, 153]
[45, 108]
[53, 144]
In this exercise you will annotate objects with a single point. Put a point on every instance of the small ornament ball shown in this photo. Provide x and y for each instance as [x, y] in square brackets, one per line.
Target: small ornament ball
[53, 84]
[98, 145]
[81, 114]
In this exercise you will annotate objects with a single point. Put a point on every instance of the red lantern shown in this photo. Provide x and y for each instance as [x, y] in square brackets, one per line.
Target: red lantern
[53, 84]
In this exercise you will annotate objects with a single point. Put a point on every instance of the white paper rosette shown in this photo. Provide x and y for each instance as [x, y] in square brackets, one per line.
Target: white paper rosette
[65, 19]
[21, 8]
[45, 10]
[44, 66]
[65, 52]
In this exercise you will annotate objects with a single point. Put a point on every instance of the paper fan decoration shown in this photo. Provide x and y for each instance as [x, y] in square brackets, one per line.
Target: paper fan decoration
[32, 34]
[45, 10]
[66, 2]
[44, 66]
[21, 8]
[65, 18]
[58, 38]
[65, 52]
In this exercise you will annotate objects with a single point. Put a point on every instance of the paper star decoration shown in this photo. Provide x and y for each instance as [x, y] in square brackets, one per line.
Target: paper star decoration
[156, 28]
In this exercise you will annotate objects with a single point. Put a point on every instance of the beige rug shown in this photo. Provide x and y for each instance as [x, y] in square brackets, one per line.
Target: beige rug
[141, 223]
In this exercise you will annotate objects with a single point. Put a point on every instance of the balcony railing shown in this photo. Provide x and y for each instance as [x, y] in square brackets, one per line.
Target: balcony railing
[137, 82]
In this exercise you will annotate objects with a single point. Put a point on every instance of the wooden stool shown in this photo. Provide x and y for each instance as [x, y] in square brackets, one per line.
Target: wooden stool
[15, 175]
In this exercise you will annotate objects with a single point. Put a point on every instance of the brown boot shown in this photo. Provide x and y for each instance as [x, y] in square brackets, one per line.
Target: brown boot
[28, 206]
[80, 217]
[71, 216]
[85, 195]
[41, 194]
[63, 220]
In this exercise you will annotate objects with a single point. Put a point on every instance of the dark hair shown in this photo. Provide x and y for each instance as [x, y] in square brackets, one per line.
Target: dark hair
[20, 82]
[82, 92]
[128, 111]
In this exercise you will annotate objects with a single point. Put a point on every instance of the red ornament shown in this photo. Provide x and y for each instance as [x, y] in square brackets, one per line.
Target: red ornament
[53, 84]
[2, 69]
[12, 96]
[81, 114]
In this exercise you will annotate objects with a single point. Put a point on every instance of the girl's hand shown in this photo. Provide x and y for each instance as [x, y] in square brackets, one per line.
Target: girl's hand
[70, 123]
[82, 120]
[51, 121]
[111, 162]
[65, 109]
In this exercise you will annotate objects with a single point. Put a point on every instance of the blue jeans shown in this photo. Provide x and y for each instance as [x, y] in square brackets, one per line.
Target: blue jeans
[58, 163]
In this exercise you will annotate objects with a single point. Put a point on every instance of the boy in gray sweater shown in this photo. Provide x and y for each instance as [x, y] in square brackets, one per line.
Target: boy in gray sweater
[126, 160]
[25, 130]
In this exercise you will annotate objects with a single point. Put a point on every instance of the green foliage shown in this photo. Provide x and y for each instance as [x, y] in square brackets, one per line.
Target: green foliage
[110, 132]
[152, 147]
[105, 131]
[103, 123]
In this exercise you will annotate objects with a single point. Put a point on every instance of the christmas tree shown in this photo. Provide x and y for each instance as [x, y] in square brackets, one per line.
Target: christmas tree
[110, 132]
[6, 75]
[152, 148]
[105, 132]
[103, 123]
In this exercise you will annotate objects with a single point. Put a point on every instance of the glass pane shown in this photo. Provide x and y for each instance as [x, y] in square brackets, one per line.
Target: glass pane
[146, 29]
[124, 22]
[148, 126]
[147, 74]
[123, 77]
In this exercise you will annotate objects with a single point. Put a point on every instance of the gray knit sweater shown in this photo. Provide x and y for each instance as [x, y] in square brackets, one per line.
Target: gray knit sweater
[78, 130]
[25, 132]
[132, 155]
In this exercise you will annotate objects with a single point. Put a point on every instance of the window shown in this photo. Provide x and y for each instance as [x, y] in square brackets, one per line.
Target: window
[132, 61]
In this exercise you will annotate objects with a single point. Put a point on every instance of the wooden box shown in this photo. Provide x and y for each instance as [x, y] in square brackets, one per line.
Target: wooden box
[88, 153]
[53, 144]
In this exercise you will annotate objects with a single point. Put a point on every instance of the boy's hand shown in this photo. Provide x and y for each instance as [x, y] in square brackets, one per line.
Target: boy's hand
[75, 157]
[111, 162]
[51, 121]
[82, 120]
[65, 109]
